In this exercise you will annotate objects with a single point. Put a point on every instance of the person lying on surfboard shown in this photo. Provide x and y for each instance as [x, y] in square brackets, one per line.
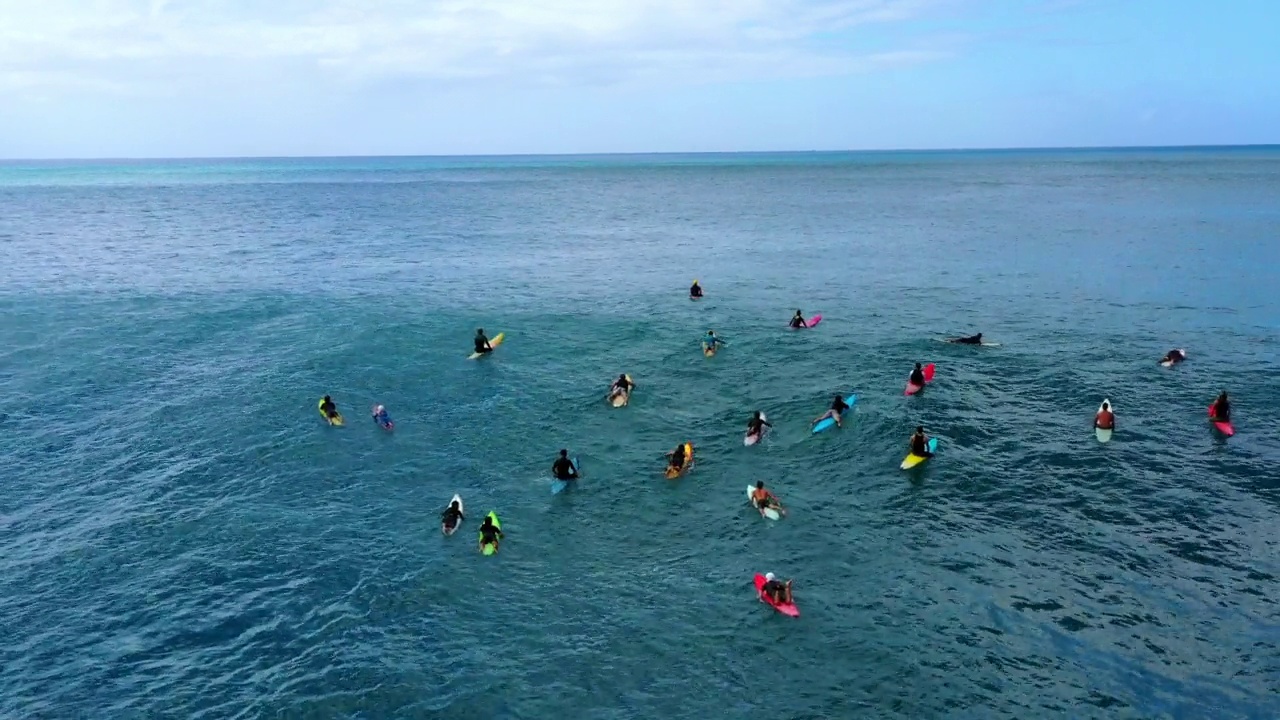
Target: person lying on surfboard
[779, 591]
[757, 424]
[973, 340]
[1105, 419]
[328, 408]
[676, 457]
[762, 498]
[620, 386]
[837, 406]
[696, 290]
[710, 341]
[452, 515]
[798, 321]
[917, 376]
[563, 467]
[920, 443]
[489, 533]
[1222, 408]
[1173, 357]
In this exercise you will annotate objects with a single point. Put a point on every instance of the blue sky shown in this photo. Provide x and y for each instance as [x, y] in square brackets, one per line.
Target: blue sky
[184, 78]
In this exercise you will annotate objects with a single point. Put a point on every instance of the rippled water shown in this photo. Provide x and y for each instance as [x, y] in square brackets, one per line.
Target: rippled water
[181, 535]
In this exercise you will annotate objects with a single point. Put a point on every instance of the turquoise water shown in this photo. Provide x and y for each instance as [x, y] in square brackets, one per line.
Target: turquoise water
[182, 536]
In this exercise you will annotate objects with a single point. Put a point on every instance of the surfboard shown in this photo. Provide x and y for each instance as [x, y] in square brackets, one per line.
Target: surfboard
[912, 460]
[912, 389]
[1170, 363]
[672, 473]
[1103, 434]
[788, 609]
[624, 398]
[771, 513]
[1223, 427]
[830, 422]
[709, 350]
[750, 440]
[558, 485]
[336, 420]
[494, 342]
[811, 322]
[492, 547]
[447, 530]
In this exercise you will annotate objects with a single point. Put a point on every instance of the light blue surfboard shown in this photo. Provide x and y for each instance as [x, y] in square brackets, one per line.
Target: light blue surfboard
[829, 422]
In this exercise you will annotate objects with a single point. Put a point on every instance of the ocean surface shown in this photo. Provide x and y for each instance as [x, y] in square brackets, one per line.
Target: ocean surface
[182, 536]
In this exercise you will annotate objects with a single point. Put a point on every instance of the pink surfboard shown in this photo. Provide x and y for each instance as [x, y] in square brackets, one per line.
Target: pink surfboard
[811, 322]
[788, 609]
[928, 378]
[1223, 427]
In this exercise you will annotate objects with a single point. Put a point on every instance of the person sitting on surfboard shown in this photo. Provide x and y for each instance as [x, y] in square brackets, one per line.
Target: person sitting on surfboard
[482, 342]
[920, 443]
[1222, 408]
[1105, 419]
[676, 457]
[328, 408]
[452, 515]
[490, 534]
[778, 591]
[563, 467]
[1173, 357]
[974, 340]
[710, 341]
[917, 376]
[762, 498]
[837, 406]
[798, 321]
[696, 290]
[757, 424]
[620, 386]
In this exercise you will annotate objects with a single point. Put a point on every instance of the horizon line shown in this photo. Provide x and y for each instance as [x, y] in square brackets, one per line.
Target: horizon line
[642, 154]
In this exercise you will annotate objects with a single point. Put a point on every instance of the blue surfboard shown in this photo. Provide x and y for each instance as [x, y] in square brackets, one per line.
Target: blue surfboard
[830, 422]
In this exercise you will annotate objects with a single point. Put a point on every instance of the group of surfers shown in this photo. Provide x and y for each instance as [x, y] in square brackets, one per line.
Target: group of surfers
[452, 516]
[1220, 411]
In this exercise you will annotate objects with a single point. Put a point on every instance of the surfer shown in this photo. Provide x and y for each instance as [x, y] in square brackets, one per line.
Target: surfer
[696, 290]
[798, 321]
[676, 458]
[490, 534]
[756, 425]
[972, 340]
[563, 467]
[1222, 409]
[1173, 357]
[920, 443]
[621, 386]
[482, 342]
[710, 341]
[451, 516]
[917, 376]
[1105, 419]
[775, 589]
[328, 408]
[837, 406]
[380, 415]
[762, 498]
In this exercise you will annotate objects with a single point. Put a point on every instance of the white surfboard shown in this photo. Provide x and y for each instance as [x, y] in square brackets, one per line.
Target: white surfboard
[753, 439]
[1104, 435]
[458, 499]
[770, 513]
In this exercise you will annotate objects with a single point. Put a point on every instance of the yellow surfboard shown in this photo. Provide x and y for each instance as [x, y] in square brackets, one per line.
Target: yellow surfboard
[912, 459]
[494, 342]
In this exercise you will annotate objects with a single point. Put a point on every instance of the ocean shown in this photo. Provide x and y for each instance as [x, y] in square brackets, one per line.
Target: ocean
[181, 535]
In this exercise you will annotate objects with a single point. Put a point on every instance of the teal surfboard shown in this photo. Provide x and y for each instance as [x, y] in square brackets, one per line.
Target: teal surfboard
[830, 422]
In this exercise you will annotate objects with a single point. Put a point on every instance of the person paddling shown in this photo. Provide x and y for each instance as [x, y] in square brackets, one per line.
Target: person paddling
[1105, 419]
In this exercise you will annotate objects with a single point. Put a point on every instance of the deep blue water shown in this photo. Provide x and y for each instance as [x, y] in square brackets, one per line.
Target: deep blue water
[182, 536]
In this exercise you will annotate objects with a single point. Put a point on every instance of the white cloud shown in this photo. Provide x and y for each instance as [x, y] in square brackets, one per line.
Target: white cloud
[104, 43]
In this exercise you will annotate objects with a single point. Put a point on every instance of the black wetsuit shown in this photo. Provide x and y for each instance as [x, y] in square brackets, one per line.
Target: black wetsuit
[564, 469]
[975, 340]
[489, 534]
[623, 385]
[920, 446]
[677, 458]
[329, 409]
[451, 517]
[755, 426]
[482, 344]
[775, 590]
[695, 291]
[917, 377]
[1222, 411]
[798, 322]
